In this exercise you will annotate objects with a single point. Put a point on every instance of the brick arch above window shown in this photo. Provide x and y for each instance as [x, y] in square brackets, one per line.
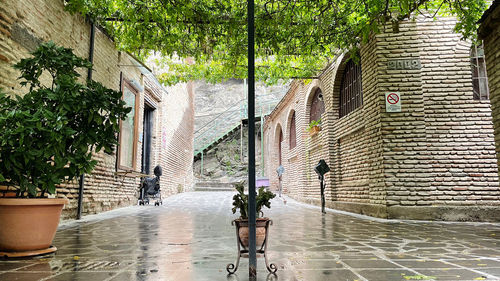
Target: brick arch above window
[292, 133]
[351, 91]
[317, 105]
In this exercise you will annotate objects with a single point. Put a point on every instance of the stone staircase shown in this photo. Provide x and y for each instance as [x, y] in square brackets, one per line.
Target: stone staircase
[223, 125]
[213, 186]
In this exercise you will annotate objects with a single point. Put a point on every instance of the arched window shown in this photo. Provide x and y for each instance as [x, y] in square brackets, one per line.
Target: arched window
[317, 106]
[351, 92]
[479, 77]
[279, 146]
[292, 133]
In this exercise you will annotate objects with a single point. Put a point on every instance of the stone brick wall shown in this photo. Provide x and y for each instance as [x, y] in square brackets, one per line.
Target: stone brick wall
[488, 32]
[434, 160]
[24, 24]
[177, 139]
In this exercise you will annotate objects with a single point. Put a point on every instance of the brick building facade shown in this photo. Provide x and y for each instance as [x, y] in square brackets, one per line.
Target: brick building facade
[168, 112]
[488, 32]
[433, 160]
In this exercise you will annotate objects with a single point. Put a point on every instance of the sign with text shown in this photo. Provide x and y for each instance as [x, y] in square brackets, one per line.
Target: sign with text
[392, 102]
[404, 64]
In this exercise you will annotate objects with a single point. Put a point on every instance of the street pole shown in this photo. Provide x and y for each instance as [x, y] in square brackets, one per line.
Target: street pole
[252, 255]
[322, 186]
[261, 141]
[241, 141]
[81, 185]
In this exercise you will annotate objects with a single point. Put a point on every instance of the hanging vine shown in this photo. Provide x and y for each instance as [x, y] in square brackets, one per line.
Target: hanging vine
[294, 38]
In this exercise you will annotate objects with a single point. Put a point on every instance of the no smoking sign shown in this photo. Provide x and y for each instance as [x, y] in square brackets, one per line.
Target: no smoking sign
[392, 102]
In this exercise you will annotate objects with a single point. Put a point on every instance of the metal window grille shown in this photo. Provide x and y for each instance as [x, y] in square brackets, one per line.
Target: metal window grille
[351, 92]
[479, 76]
[317, 106]
[293, 135]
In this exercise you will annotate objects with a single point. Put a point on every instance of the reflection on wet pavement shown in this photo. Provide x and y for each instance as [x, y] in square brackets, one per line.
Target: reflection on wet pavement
[190, 237]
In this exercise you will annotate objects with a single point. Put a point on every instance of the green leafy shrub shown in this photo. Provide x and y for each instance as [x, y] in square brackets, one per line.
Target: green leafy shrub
[48, 135]
[240, 200]
[314, 123]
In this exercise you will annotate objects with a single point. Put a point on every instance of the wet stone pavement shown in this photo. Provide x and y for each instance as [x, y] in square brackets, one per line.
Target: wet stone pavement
[190, 237]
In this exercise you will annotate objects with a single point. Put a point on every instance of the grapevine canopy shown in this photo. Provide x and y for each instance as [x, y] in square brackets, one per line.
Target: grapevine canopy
[294, 38]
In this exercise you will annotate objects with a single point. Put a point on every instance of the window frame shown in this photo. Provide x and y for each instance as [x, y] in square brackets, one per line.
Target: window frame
[280, 149]
[292, 128]
[127, 84]
[476, 69]
[316, 94]
[353, 91]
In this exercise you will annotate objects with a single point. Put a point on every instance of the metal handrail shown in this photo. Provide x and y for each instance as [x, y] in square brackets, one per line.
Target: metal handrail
[242, 112]
[220, 128]
[216, 117]
[228, 109]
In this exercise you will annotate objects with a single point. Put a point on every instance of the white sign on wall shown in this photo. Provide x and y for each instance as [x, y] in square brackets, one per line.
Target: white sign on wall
[392, 102]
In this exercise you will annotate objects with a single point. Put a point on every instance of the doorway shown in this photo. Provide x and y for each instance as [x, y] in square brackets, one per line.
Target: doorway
[147, 138]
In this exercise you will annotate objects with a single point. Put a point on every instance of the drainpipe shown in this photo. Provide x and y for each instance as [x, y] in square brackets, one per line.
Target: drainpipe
[89, 77]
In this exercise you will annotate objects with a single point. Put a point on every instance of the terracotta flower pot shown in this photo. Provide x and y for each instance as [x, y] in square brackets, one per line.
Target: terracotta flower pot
[260, 231]
[28, 226]
[314, 130]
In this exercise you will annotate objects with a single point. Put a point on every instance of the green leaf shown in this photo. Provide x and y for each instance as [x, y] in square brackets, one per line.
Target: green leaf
[32, 190]
[42, 130]
[293, 38]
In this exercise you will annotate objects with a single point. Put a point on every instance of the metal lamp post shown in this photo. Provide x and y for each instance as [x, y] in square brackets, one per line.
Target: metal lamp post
[321, 169]
[280, 172]
[252, 255]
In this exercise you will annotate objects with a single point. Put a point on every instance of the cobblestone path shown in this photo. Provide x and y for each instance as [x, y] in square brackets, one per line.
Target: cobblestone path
[190, 237]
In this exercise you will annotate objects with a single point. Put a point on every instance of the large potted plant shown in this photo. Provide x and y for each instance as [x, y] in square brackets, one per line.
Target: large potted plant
[240, 202]
[47, 137]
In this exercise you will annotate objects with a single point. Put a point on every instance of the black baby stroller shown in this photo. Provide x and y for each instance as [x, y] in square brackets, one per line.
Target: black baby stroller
[150, 189]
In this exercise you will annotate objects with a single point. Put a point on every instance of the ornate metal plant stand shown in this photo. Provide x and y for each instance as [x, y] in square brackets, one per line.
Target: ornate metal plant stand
[243, 250]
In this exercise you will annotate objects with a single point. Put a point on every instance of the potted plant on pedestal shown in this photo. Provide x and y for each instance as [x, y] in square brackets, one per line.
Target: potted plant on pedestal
[47, 137]
[240, 202]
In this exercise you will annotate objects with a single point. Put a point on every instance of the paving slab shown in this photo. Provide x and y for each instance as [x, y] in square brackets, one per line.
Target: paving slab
[190, 237]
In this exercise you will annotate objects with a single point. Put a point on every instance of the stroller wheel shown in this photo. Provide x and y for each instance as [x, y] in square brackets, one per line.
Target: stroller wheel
[157, 204]
[141, 203]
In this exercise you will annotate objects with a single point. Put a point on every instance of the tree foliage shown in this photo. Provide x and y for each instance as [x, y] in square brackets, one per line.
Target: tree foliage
[49, 134]
[294, 38]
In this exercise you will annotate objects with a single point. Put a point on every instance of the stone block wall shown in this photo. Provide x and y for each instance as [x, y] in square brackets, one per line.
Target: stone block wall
[446, 157]
[177, 139]
[488, 32]
[434, 160]
[25, 24]
[293, 160]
